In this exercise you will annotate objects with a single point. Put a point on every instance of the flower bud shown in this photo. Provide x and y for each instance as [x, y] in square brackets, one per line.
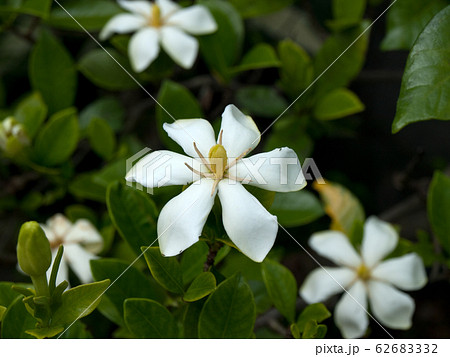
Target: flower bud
[13, 137]
[33, 249]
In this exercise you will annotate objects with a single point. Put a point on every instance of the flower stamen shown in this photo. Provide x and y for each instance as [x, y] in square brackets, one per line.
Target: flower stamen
[205, 162]
[201, 174]
[234, 162]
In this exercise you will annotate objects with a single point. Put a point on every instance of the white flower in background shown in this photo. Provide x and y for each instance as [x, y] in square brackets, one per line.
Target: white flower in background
[11, 128]
[218, 167]
[81, 242]
[365, 277]
[162, 22]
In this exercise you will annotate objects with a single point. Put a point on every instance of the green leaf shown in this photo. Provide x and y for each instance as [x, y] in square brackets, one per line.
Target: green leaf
[281, 286]
[148, 319]
[31, 112]
[253, 8]
[262, 101]
[439, 208]
[104, 71]
[107, 108]
[83, 186]
[92, 15]
[7, 294]
[166, 271]
[133, 213]
[45, 332]
[52, 73]
[406, 20]
[16, 320]
[347, 13]
[229, 312]
[2, 312]
[313, 330]
[222, 48]
[102, 138]
[347, 65]
[342, 206]
[296, 208]
[58, 139]
[425, 90]
[128, 282]
[79, 302]
[191, 317]
[337, 104]
[260, 56]
[296, 71]
[180, 103]
[38, 8]
[77, 331]
[202, 286]
[192, 261]
[314, 312]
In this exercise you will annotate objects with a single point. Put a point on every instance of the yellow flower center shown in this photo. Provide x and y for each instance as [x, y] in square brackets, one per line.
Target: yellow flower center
[363, 272]
[218, 160]
[155, 19]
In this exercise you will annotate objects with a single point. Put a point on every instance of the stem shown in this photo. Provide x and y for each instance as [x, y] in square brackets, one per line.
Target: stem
[41, 285]
[213, 249]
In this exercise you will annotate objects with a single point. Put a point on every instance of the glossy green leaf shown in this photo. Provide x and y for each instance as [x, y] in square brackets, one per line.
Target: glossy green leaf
[16, 320]
[439, 208]
[337, 104]
[58, 138]
[76, 331]
[128, 282]
[425, 91]
[347, 65]
[107, 108]
[202, 286]
[346, 13]
[253, 8]
[229, 312]
[165, 270]
[149, 319]
[79, 302]
[180, 103]
[296, 71]
[313, 330]
[192, 261]
[296, 208]
[133, 213]
[260, 56]
[7, 294]
[262, 101]
[191, 317]
[38, 8]
[263, 301]
[2, 312]
[92, 15]
[45, 332]
[102, 138]
[104, 71]
[314, 312]
[52, 73]
[406, 20]
[281, 286]
[31, 112]
[221, 49]
[83, 186]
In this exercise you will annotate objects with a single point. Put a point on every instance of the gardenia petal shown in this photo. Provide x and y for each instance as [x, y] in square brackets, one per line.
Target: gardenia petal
[85, 233]
[350, 315]
[181, 220]
[336, 247]
[59, 225]
[187, 131]
[167, 7]
[392, 307]
[322, 283]
[143, 48]
[278, 170]
[48, 233]
[63, 271]
[140, 7]
[406, 273]
[380, 239]
[248, 224]
[122, 23]
[78, 258]
[239, 132]
[182, 47]
[163, 168]
[196, 20]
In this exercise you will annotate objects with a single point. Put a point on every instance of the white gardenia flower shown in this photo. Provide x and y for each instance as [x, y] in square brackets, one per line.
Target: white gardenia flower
[218, 168]
[365, 277]
[162, 22]
[81, 242]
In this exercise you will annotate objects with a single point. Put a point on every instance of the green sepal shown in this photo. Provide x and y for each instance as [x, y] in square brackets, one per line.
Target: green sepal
[55, 268]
